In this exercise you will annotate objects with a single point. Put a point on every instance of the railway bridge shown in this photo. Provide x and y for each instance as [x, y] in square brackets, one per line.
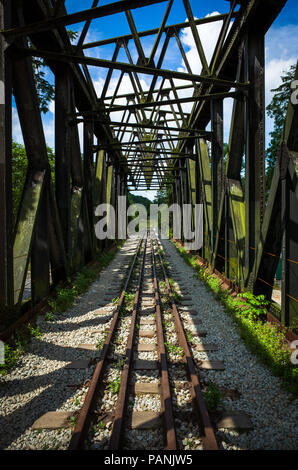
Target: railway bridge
[144, 127]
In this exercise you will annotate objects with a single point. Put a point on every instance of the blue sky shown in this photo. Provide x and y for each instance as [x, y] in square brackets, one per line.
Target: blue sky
[281, 48]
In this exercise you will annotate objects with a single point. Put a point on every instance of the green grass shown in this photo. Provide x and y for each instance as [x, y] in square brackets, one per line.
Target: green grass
[189, 337]
[73, 421]
[100, 343]
[265, 340]
[23, 338]
[172, 348]
[49, 317]
[115, 385]
[120, 363]
[212, 396]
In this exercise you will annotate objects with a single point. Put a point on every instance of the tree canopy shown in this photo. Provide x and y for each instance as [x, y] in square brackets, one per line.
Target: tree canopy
[45, 90]
[277, 109]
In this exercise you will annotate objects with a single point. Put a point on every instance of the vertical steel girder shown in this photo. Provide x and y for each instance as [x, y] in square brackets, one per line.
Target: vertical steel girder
[216, 162]
[6, 244]
[63, 153]
[255, 145]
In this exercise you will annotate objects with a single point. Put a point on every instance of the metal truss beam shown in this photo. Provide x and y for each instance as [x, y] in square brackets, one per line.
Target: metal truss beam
[126, 67]
[85, 15]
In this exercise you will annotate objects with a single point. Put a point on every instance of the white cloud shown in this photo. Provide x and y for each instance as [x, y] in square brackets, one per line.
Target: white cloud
[148, 194]
[281, 52]
[16, 127]
[49, 129]
[273, 72]
[52, 107]
[208, 33]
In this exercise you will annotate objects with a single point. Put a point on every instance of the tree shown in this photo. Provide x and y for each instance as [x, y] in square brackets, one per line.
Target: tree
[161, 197]
[277, 110]
[134, 199]
[45, 90]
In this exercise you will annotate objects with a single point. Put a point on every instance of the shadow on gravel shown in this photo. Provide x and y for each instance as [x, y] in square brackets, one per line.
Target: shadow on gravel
[59, 383]
[60, 387]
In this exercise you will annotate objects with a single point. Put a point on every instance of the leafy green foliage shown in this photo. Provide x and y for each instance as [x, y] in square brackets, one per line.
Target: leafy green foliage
[35, 332]
[45, 89]
[134, 199]
[120, 363]
[77, 401]
[277, 110]
[115, 385]
[212, 396]
[73, 420]
[100, 343]
[12, 354]
[172, 348]
[49, 317]
[115, 300]
[64, 299]
[129, 301]
[255, 306]
[161, 197]
[189, 337]
[265, 340]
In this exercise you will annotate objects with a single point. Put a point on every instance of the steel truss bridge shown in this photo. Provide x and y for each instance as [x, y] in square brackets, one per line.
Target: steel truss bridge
[167, 134]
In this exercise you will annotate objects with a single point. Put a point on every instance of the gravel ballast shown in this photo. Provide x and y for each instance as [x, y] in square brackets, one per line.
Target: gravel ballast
[40, 381]
[273, 413]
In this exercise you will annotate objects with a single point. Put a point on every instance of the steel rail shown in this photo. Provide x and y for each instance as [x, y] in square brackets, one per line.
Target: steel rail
[166, 399]
[209, 440]
[122, 395]
[84, 418]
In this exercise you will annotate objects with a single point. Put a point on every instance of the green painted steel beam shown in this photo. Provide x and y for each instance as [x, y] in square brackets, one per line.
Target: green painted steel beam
[127, 67]
[206, 180]
[237, 208]
[24, 231]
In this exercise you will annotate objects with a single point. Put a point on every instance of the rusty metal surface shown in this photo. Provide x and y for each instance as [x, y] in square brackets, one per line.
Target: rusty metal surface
[209, 440]
[166, 399]
[122, 395]
[85, 415]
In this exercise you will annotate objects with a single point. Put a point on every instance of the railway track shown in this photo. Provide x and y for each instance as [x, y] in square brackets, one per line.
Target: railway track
[144, 353]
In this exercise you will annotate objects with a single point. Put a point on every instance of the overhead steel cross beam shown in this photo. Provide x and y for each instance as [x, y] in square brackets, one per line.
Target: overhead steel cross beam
[156, 91]
[52, 56]
[191, 99]
[84, 15]
[151, 32]
[127, 144]
[150, 126]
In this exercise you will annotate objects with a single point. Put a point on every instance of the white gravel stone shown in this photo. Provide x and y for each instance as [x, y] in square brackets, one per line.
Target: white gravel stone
[40, 383]
[274, 415]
